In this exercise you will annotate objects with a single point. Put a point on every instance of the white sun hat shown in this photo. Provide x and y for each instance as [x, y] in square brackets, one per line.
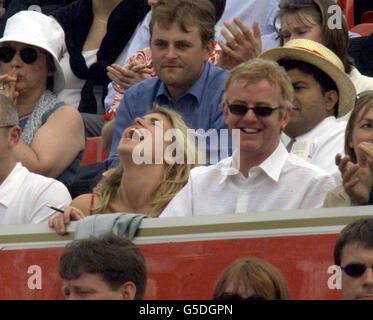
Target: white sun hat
[323, 58]
[37, 29]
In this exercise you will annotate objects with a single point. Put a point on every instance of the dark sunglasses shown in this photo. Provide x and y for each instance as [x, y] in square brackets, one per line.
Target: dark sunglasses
[28, 54]
[241, 109]
[355, 269]
[235, 296]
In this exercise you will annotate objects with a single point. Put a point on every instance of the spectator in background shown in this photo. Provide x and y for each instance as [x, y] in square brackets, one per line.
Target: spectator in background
[140, 67]
[248, 11]
[309, 20]
[135, 186]
[24, 196]
[53, 139]
[353, 252]
[97, 35]
[261, 175]
[105, 268]
[182, 33]
[357, 166]
[322, 93]
[251, 279]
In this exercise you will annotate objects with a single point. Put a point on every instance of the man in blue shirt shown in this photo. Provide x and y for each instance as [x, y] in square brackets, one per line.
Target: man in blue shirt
[248, 11]
[182, 34]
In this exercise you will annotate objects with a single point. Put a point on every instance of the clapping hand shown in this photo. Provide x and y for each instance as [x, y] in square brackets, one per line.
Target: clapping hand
[127, 76]
[241, 44]
[358, 177]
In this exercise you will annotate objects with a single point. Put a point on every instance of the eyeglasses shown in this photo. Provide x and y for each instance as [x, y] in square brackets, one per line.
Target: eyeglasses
[240, 110]
[355, 269]
[7, 126]
[235, 296]
[28, 54]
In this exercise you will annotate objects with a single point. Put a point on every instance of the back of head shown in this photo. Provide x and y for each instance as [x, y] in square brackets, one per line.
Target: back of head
[359, 232]
[252, 274]
[186, 13]
[8, 112]
[115, 258]
[335, 38]
[259, 69]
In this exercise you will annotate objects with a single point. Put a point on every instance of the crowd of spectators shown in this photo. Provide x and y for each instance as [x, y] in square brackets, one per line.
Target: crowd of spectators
[205, 107]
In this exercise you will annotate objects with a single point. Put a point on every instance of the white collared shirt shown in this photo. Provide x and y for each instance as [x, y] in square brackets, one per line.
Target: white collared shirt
[282, 182]
[24, 197]
[320, 145]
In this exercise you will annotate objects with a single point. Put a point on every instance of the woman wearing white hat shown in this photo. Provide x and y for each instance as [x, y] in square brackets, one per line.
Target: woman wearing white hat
[53, 133]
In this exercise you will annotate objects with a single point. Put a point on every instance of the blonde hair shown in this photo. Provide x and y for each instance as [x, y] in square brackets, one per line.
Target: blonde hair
[245, 273]
[175, 175]
[259, 69]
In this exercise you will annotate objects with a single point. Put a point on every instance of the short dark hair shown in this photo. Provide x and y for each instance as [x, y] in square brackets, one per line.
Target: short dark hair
[8, 112]
[116, 259]
[186, 13]
[359, 231]
[326, 83]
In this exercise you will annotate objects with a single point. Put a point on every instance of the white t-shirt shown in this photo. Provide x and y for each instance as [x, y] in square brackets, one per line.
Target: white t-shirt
[24, 197]
[282, 182]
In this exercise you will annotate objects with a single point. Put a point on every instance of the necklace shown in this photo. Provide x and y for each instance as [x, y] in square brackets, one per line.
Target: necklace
[26, 114]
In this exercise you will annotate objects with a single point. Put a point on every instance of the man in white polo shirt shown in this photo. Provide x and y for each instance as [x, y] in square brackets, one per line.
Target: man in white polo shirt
[24, 196]
[261, 175]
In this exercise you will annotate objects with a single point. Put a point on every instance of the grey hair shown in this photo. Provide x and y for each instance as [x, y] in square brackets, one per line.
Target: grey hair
[8, 112]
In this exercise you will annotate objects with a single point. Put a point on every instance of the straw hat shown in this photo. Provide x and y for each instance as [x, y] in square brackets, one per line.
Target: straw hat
[324, 59]
[39, 30]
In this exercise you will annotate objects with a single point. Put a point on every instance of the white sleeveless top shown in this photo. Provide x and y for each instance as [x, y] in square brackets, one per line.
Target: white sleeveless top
[71, 94]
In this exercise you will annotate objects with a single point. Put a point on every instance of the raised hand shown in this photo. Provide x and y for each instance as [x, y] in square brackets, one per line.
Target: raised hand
[241, 44]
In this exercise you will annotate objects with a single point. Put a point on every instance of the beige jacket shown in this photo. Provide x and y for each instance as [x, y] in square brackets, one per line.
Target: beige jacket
[337, 197]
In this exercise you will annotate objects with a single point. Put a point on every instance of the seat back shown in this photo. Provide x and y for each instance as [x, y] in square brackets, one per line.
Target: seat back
[94, 151]
[364, 29]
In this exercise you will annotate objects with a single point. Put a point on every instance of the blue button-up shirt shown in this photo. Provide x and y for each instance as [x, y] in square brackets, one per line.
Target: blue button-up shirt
[200, 106]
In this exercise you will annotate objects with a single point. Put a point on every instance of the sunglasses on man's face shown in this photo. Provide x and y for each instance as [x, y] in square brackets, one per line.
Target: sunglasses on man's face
[355, 269]
[260, 111]
[28, 54]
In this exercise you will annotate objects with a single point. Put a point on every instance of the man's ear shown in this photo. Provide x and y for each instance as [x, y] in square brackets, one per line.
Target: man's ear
[128, 290]
[14, 136]
[331, 98]
[225, 110]
[286, 118]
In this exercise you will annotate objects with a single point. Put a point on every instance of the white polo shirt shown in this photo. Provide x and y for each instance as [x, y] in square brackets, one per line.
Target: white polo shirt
[24, 197]
[320, 145]
[282, 182]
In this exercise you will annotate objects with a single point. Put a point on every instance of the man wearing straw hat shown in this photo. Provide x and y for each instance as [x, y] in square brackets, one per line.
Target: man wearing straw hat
[323, 93]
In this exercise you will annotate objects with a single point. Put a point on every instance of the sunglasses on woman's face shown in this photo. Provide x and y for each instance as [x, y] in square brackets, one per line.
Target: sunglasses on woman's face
[28, 54]
[355, 269]
[241, 109]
